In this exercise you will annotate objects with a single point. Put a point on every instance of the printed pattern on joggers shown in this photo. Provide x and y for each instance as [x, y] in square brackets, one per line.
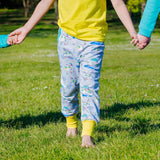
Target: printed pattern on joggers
[80, 63]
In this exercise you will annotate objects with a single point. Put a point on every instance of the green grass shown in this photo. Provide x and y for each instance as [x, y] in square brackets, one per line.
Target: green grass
[31, 124]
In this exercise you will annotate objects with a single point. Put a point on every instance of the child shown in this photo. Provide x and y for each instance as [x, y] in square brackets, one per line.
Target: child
[6, 41]
[81, 38]
[148, 22]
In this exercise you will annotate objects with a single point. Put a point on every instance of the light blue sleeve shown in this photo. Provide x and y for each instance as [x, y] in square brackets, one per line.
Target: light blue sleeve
[3, 41]
[148, 21]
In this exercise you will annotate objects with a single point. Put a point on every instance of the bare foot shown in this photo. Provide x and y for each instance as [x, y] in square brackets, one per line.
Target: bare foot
[87, 141]
[71, 132]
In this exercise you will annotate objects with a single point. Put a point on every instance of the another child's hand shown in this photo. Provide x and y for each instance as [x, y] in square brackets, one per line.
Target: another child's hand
[12, 40]
[143, 41]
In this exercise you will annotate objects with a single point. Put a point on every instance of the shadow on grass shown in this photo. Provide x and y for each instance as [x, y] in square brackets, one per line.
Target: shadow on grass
[116, 111]
[142, 126]
[138, 126]
[27, 120]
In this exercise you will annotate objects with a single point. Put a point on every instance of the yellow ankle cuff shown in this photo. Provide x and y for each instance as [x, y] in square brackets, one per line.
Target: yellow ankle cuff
[88, 127]
[72, 121]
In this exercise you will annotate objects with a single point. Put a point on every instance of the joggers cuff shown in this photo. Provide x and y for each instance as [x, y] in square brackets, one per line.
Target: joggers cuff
[88, 127]
[72, 121]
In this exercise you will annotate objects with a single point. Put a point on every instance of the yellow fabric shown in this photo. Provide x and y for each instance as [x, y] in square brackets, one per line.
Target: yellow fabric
[83, 19]
[88, 127]
[72, 121]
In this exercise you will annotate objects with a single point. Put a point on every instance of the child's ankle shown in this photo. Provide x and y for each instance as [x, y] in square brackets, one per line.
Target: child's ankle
[72, 132]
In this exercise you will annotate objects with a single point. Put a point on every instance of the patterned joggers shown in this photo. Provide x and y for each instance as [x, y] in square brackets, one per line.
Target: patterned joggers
[80, 63]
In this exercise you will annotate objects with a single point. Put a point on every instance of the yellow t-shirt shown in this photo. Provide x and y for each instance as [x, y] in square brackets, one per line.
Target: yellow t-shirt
[83, 19]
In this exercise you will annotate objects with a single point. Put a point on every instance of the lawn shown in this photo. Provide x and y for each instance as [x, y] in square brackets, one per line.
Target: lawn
[31, 124]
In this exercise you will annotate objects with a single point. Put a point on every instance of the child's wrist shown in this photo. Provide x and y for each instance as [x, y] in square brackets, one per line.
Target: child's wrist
[133, 34]
[27, 29]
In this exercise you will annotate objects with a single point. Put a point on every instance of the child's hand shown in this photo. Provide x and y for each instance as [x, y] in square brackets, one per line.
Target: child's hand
[135, 40]
[12, 40]
[143, 41]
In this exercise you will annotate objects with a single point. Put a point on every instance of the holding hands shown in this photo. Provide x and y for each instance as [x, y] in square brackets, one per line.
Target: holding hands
[6, 41]
[148, 22]
[20, 33]
[12, 40]
[140, 41]
[143, 41]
